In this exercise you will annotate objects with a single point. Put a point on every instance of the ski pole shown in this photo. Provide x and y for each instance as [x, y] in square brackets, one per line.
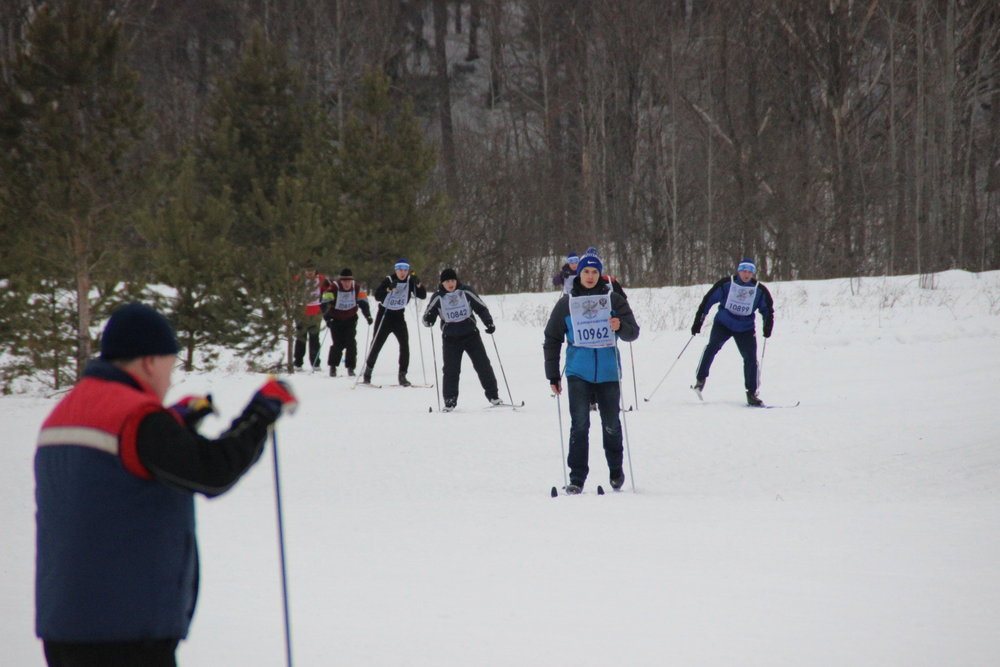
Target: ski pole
[621, 405]
[668, 370]
[760, 366]
[281, 549]
[562, 445]
[368, 351]
[500, 362]
[635, 389]
[420, 343]
[319, 350]
[437, 387]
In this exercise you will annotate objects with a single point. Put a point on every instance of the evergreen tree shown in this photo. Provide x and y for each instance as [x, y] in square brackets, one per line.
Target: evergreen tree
[188, 250]
[270, 149]
[71, 117]
[385, 170]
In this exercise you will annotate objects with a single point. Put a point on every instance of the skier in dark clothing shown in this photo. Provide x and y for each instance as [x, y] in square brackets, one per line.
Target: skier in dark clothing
[308, 322]
[393, 295]
[563, 278]
[341, 301]
[591, 318]
[458, 306]
[115, 477]
[738, 296]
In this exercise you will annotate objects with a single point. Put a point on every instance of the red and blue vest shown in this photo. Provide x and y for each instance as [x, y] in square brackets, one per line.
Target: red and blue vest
[116, 552]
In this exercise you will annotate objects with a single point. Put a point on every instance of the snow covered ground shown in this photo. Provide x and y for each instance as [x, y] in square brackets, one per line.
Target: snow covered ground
[861, 528]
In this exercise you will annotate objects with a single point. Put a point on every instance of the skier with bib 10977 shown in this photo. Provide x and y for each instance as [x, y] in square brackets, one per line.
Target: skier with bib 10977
[458, 305]
[738, 296]
[591, 318]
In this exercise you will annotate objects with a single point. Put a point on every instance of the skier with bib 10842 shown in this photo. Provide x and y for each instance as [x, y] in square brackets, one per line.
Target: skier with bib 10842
[458, 305]
[591, 318]
[738, 296]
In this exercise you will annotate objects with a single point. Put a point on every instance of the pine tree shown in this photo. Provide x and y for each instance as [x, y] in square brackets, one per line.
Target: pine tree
[385, 170]
[270, 148]
[71, 117]
[188, 250]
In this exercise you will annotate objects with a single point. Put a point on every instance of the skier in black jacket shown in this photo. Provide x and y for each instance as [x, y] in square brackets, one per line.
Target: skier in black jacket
[393, 295]
[458, 306]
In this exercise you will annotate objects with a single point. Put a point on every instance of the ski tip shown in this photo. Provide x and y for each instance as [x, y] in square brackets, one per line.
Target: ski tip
[600, 490]
[554, 492]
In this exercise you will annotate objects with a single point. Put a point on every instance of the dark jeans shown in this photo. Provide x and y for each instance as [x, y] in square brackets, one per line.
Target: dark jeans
[386, 325]
[746, 341]
[307, 328]
[150, 653]
[471, 344]
[344, 334]
[607, 395]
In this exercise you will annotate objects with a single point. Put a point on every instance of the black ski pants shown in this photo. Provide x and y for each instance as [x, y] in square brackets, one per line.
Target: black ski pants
[452, 350]
[746, 342]
[149, 653]
[392, 324]
[307, 328]
[344, 334]
[608, 395]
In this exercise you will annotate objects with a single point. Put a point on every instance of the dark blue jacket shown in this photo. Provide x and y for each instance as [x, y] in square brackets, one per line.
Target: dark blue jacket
[115, 474]
[719, 294]
[116, 553]
[590, 364]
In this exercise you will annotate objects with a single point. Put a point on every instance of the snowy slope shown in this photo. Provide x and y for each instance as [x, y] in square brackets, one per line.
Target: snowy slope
[860, 528]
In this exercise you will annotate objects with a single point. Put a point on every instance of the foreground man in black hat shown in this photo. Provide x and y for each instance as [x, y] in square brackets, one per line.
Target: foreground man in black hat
[115, 475]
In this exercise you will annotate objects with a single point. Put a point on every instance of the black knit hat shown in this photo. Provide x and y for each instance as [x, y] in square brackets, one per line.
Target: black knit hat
[448, 274]
[136, 330]
[346, 273]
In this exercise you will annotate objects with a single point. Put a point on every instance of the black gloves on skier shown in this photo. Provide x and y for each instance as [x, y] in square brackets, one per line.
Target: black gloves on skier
[490, 328]
[768, 326]
[699, 318]
[428, 322]
[369, 318]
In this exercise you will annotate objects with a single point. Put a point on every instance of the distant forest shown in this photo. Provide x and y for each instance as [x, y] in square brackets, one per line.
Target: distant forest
[827, 138]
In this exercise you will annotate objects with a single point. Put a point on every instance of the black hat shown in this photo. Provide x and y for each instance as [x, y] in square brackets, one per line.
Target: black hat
[346, 273]
[448, 274]
[136, 330]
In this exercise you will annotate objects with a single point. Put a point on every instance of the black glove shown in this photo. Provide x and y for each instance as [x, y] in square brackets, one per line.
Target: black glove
[696, 327]
[192, 409]
[768, 326]
[275, 398]
[428, 322]
[490, 328]
[369, 318]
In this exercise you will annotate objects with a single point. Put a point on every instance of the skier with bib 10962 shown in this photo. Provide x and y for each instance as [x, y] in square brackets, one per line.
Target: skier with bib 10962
[458, 305]
[590, 319]
[738, 296]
